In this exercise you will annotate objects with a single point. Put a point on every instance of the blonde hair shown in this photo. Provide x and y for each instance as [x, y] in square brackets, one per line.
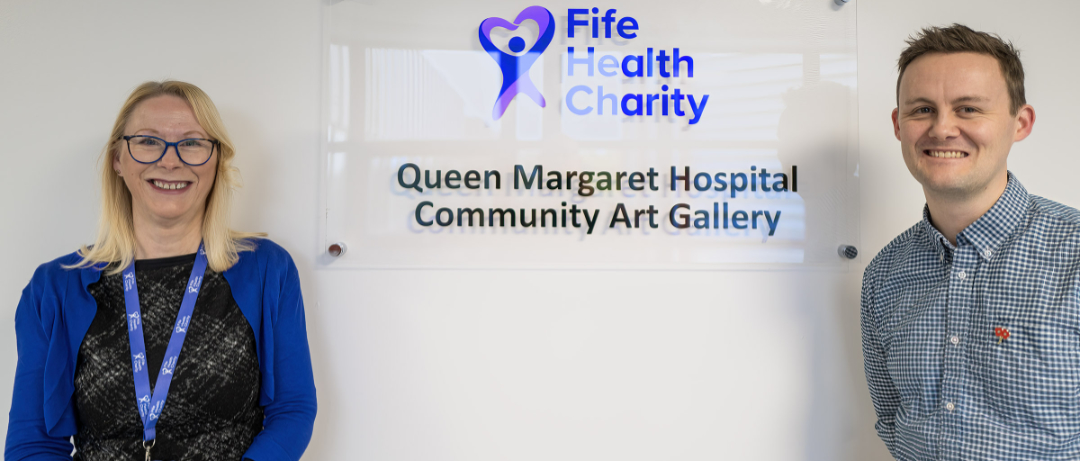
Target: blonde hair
[115, 244]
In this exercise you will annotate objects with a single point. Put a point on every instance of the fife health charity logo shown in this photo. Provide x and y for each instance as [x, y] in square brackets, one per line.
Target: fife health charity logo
[515, 67]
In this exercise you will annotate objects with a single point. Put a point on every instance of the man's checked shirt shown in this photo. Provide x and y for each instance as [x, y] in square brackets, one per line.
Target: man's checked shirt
[944, 386]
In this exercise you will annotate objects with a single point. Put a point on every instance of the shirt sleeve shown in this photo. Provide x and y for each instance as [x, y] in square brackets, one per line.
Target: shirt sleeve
[883, 392]
[289, 419]
[27, 436]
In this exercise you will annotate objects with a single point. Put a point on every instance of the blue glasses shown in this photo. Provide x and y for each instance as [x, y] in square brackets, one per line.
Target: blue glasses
[150, 149]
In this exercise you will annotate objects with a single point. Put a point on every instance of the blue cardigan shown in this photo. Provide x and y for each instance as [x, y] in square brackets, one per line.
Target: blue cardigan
[56, 310]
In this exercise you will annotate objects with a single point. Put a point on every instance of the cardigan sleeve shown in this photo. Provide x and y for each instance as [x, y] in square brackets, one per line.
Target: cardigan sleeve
[27, 436]
[289, 418]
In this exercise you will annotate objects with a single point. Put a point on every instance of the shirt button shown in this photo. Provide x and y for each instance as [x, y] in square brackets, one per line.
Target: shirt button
[962, 275]
[955, 340]
[949, 406]
[989, 253]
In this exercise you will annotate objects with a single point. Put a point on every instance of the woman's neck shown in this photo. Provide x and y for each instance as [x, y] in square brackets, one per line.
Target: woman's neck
[161, 240]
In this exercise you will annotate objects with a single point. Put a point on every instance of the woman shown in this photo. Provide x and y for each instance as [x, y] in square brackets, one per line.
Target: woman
[173, 336]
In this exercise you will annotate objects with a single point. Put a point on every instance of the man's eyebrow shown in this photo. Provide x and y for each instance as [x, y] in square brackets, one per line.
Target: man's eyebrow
[964, 99]
[918, 100]
[960, 100]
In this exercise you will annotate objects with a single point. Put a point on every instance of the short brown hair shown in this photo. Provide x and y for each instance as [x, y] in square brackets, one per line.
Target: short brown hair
[959, 38]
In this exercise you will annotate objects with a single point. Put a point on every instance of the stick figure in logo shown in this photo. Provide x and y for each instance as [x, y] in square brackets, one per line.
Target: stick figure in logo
[182, 324]
[144, 405]
[134, 321]
[168, 366]
[193, 285]
[156, 411]
[138, 361]
[515, 69]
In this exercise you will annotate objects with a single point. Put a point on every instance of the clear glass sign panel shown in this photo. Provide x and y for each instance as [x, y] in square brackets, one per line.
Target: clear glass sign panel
[633, 134]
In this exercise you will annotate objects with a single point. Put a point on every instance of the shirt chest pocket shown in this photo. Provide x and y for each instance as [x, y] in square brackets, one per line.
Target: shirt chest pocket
[1030, 375]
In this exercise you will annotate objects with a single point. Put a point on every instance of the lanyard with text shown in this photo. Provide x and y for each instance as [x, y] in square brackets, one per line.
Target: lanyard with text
[150, 406]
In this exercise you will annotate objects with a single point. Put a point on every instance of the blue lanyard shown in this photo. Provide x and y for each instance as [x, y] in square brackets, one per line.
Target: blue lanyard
[150, 405]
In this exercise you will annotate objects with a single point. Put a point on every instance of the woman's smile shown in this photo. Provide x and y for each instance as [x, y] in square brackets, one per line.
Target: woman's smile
[169, 187]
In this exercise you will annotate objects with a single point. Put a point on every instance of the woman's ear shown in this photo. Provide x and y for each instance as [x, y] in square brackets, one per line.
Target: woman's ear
[115, 154]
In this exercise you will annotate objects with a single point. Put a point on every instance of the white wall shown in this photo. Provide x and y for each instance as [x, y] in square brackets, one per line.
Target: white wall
[485, 365]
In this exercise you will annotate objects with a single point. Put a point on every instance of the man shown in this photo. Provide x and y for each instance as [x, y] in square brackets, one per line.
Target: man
[971, 318]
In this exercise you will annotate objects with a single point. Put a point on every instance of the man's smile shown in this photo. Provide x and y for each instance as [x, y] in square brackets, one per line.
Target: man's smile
[936, 153]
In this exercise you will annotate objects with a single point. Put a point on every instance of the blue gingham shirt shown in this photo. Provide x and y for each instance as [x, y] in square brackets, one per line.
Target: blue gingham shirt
[942, 385]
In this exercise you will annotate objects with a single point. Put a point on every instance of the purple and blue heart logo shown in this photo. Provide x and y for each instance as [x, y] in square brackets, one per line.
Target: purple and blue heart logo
[515, 69]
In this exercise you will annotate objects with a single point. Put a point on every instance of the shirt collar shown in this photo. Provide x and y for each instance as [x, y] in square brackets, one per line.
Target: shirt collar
[988, 232]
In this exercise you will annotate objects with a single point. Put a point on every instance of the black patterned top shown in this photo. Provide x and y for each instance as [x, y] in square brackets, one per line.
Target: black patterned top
[212, 411]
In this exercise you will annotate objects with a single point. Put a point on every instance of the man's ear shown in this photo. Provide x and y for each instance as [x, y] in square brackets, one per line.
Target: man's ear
[1025, 120]
[896, 123]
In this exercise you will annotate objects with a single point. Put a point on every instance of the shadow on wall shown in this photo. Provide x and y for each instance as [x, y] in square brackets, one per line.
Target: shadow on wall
[813, 134]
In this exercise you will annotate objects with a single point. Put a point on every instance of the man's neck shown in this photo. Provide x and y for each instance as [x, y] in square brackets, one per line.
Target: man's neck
[950, 215]
[157, 239]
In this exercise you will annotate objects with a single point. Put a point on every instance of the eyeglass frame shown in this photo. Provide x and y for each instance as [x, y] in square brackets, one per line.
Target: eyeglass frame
[174, 145]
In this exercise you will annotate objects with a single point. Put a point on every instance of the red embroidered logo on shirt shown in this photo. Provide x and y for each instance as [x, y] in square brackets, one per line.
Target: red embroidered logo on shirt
[1001, 333]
